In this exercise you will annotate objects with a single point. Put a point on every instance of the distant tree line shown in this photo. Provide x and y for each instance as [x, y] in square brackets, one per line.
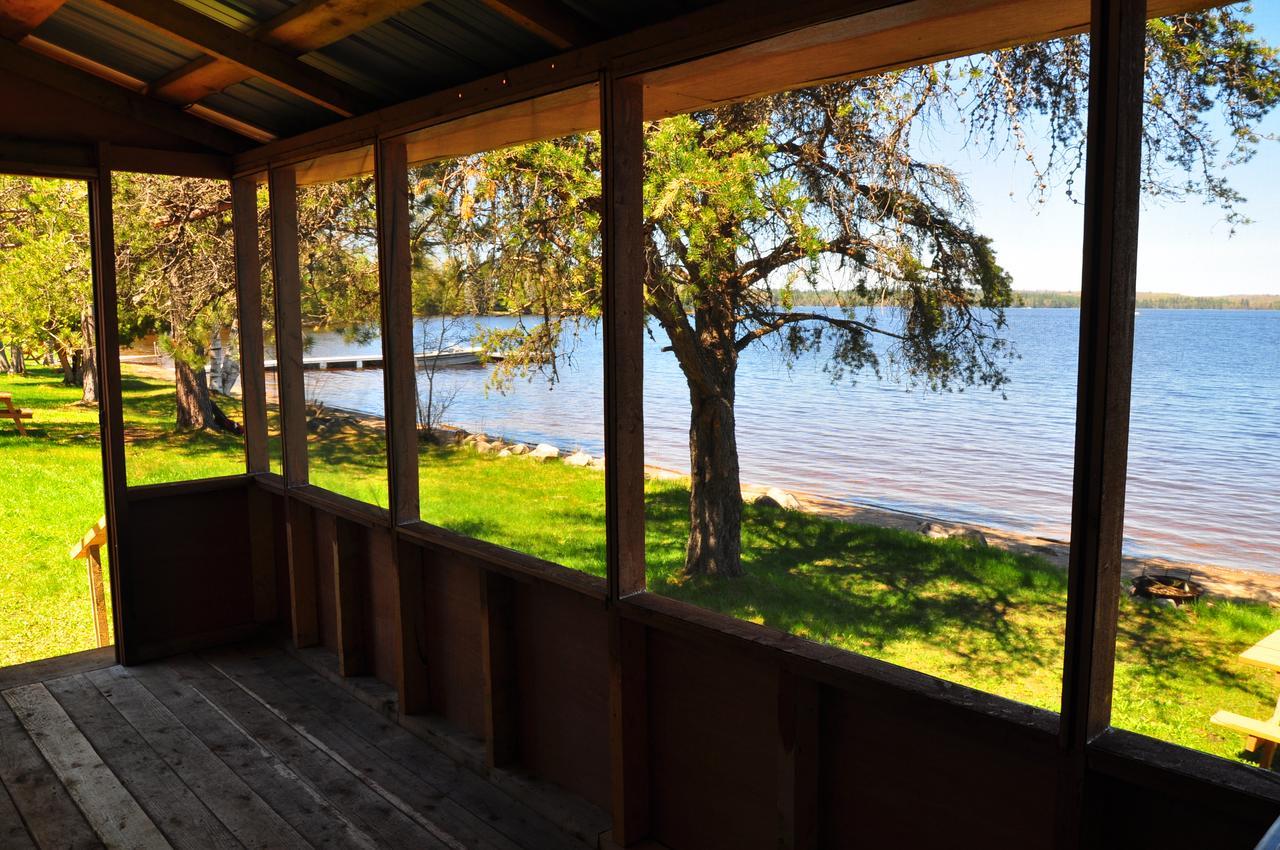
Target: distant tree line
[1051, 298]
[1155, 301]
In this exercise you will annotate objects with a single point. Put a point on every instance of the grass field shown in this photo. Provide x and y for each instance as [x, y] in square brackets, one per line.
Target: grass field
[979, 616]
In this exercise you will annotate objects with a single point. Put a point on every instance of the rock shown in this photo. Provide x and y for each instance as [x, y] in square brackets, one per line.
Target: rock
[578, 458]
[938, 531]
[784, 499]
[598, 463]
[543, 451]
[505, 452]
[518, 449]
[490, 448]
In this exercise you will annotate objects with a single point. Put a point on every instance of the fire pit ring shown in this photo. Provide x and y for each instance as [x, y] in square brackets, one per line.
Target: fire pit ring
[1178, 589]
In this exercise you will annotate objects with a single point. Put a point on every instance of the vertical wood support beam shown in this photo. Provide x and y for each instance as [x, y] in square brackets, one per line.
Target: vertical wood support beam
[629, 730]
[497, 655]
[412, 629]
[299, 518]
[253, 386]
[102, 241]
[304, 601]
[244, 218]
[622, 167]
[288, 280]
[799, 730]
[350, 594]
[622, 133]
[395, 267]
[262, 554]
[1110, 259]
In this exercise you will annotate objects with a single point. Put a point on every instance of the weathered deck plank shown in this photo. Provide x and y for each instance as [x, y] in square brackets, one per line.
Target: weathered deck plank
[300, 805]
[168, 802]
[428, 795]
[369, 810]
[252, 822]
[49, 812]
[510, 817]
[240, 747]
[13, 832]
[113, 813]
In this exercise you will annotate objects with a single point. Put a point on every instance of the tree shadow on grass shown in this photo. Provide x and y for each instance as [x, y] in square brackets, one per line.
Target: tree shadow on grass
[872, 589]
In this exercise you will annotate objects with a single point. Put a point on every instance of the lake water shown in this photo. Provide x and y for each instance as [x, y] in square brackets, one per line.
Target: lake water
[1204, 469]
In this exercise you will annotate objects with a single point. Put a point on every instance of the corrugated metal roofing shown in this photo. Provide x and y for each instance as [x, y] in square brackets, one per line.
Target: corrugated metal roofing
[111, 39]
[434, 45]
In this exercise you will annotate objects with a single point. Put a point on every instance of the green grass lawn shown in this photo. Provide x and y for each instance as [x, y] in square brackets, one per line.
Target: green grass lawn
[983, 617]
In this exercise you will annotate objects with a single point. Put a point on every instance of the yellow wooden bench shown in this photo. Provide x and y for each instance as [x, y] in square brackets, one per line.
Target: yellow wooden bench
[8, 411]
[1267, 732]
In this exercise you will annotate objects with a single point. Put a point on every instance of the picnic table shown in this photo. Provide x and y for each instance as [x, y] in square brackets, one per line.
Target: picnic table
[1260, 734]
[8, 411]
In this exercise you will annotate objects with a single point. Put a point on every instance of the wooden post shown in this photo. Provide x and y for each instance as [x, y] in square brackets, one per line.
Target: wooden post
[395, 265]
[253, 392]
[97, 596]
[497, 655]
[304, 602]
[629, 729]
[110, 404]
[412, 629]
[622, 102]
[1112, 189]
[350, 580]
[799, 718]
[300, 520]
[288, 285]
[622, 135]
[262, 554]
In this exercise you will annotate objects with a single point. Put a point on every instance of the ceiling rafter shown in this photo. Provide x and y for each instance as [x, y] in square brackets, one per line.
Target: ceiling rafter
[307, 26]
[549, 20]
[133, 84]
[115, 95]
[252, 58]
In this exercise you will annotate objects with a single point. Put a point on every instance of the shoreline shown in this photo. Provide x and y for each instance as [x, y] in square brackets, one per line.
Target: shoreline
[1231, 583]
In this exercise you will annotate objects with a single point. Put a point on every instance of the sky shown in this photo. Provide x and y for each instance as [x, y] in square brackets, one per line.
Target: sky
[1184, 247]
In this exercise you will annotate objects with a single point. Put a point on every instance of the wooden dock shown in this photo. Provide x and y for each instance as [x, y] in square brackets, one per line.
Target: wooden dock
[444, 359]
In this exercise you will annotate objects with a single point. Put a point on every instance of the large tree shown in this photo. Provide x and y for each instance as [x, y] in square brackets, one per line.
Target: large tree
[825, 193]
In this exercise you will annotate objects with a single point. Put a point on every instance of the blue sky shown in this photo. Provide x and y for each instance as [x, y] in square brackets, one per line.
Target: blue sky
[1185, 247]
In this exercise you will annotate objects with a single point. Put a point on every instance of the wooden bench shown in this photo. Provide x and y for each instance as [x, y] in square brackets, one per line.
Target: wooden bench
[90, 548]
[1267, 732]
[8, 411]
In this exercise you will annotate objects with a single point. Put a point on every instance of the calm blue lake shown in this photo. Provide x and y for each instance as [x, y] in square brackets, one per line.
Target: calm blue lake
[1204, 466]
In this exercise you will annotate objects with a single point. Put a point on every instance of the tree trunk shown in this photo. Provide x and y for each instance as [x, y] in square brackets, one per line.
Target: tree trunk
[195, 407]
[89, 361]
[66, 365]
[715, 496]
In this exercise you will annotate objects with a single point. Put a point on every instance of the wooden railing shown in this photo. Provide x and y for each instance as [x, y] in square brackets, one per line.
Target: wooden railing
[89, 547]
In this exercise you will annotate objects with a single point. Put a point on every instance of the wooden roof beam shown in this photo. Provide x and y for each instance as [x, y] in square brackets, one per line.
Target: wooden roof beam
[549, 20]
[19, 17]
[307, 26]
[19, 62]
[133, 84]
[253, 58]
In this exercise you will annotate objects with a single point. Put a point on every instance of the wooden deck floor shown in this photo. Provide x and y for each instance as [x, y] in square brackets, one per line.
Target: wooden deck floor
[235, 748]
